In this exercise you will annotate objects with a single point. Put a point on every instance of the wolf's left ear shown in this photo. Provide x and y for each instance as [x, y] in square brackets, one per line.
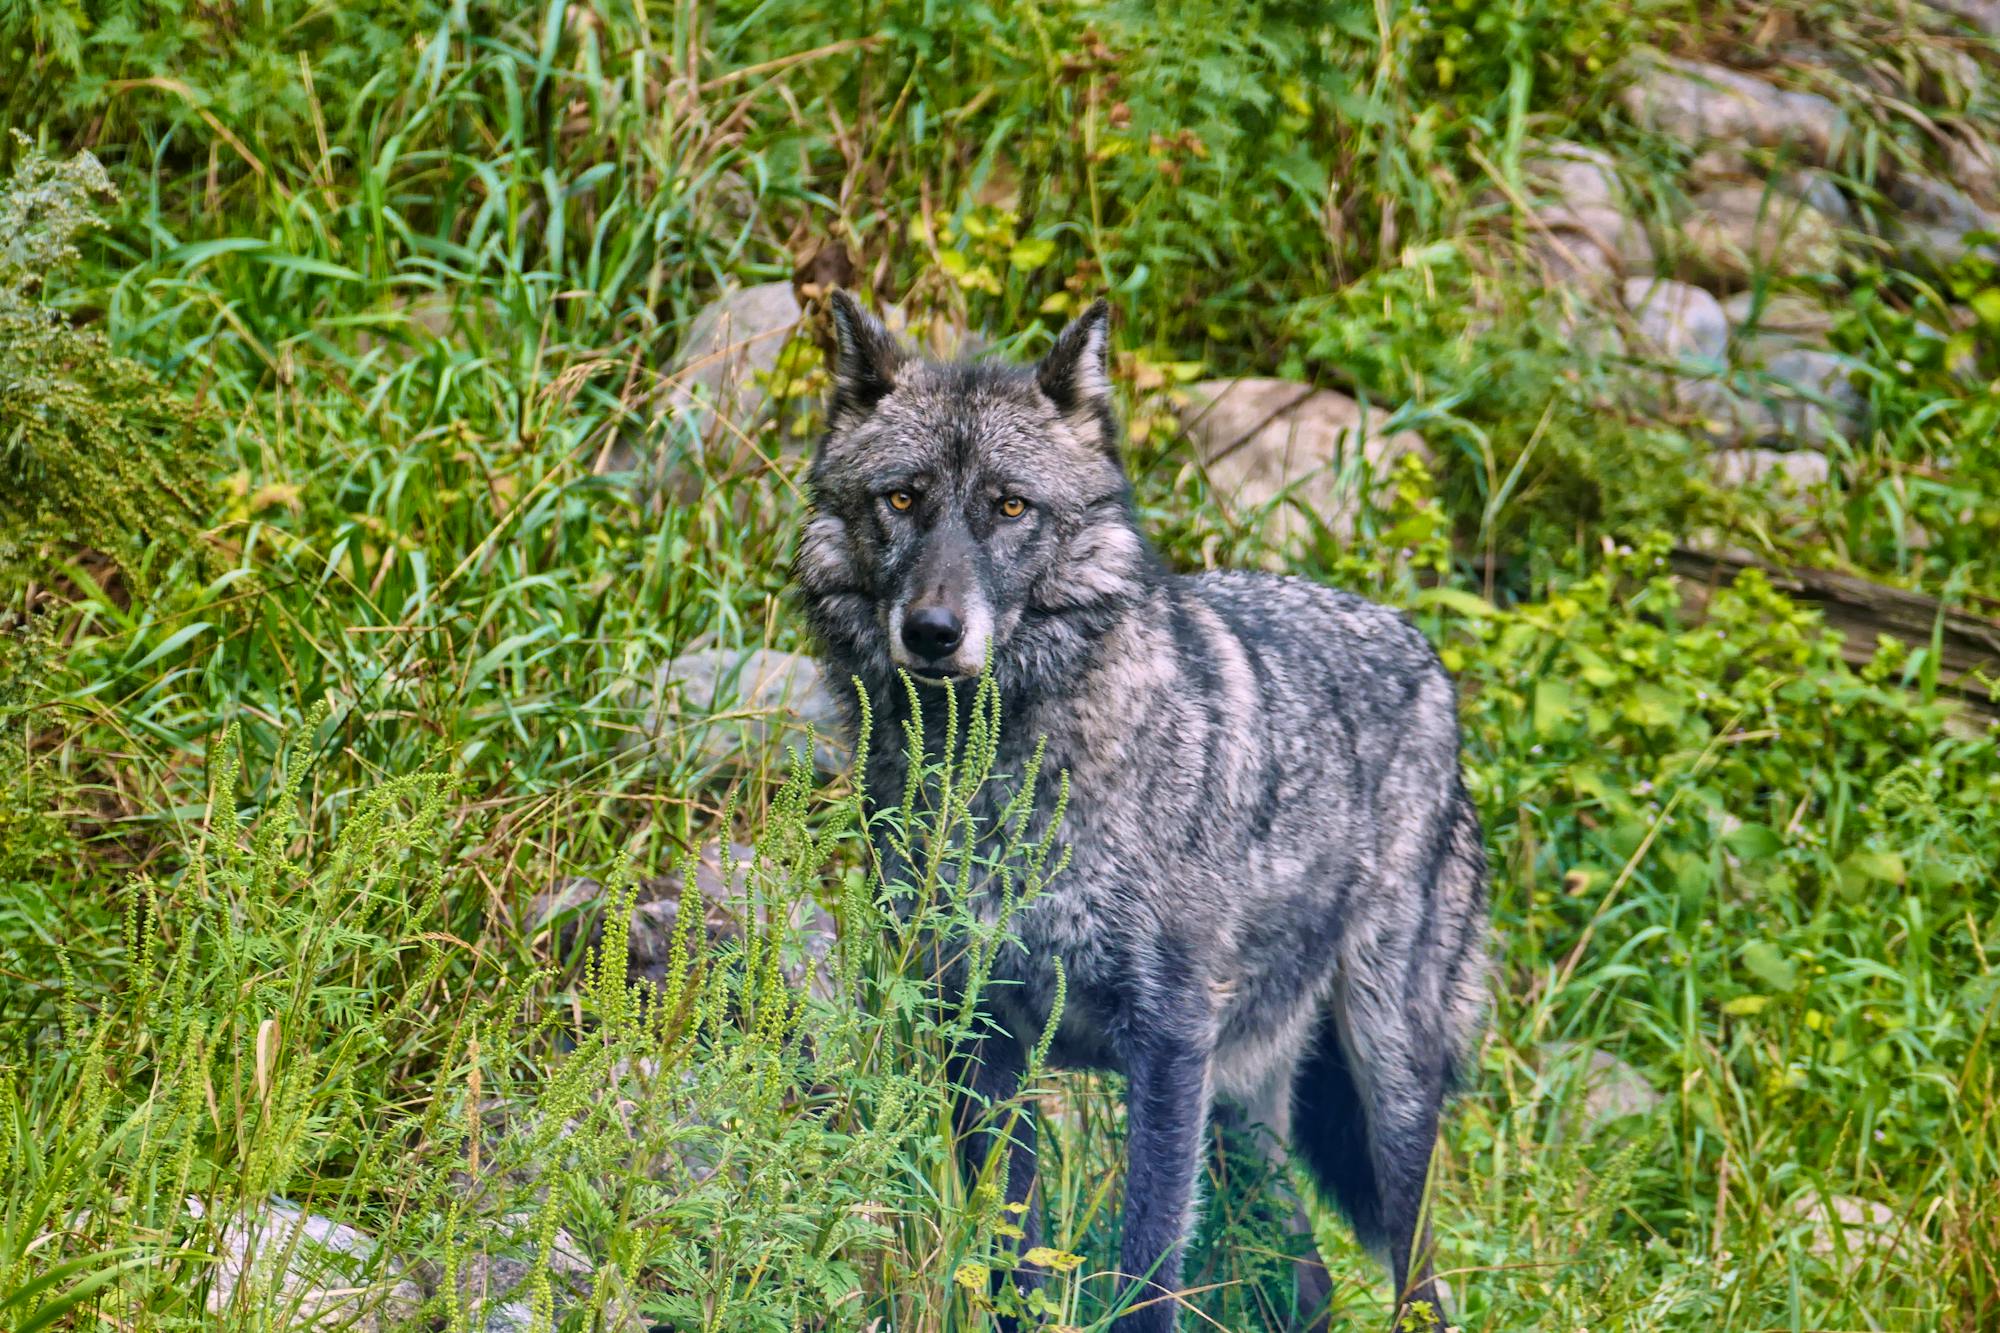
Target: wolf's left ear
[1076, 374]
[865, 370]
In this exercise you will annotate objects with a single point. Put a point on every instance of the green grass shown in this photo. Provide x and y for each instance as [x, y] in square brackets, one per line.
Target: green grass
[282, 788]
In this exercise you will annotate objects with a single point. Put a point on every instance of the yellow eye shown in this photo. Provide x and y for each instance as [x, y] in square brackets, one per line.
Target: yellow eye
[901, 500]
[1013, 506]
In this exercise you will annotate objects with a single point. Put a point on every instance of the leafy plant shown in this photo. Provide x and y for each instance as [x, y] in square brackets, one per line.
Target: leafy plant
[95, 452]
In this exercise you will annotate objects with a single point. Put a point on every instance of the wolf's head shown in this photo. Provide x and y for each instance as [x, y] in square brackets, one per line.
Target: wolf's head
[968, 510]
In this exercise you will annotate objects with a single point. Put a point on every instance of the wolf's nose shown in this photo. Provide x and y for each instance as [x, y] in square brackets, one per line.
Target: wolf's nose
[932, 632]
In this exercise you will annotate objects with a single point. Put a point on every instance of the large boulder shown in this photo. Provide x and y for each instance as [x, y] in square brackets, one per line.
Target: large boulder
[1697, 103]
[1291, 454]
[739, 705]
[310, 1271]
[715, 393]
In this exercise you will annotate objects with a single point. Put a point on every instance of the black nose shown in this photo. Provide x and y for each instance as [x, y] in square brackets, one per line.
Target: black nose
[932, 632]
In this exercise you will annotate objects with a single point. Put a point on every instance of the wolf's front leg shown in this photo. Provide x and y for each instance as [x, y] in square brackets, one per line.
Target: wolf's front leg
[1166, 1109]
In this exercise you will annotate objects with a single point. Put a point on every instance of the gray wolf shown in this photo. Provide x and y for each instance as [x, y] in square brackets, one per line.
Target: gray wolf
[1276, 892]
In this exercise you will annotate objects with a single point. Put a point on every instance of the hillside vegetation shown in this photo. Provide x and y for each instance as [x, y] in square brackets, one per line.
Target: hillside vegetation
[413, 915]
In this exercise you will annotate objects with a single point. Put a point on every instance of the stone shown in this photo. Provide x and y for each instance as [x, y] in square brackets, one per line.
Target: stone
[737, 705]
[713, 395]
[1976, 168]
[493, 1280]
[1573, 175]
[1936, 219]
[1845, 1227]
[1734, 233]
[1764, 322]
[1697, 103]
[1792, 394]
[1811, 392]
[1981, 14]
[1580, 230]
[1611, 1089]
[1821, 192]
[1591, 245]
[575, 906]
[1796, 473]
[311, 1271]
[1291, 447]
[1676, 321]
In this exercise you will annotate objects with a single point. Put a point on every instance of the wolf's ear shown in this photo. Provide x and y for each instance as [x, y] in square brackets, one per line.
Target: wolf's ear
[1076, 373]
[865, 370]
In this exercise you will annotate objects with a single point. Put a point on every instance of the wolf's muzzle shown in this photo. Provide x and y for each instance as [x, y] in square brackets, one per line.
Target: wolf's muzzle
[933, 633]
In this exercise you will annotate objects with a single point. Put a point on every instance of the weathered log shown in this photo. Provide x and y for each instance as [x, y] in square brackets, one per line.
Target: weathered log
[1967, 642]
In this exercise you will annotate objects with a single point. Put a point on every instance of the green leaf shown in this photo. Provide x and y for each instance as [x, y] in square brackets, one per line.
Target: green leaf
[1753, 842]
[1031, 253]
[1762, 960]
[1743, 1006]
[1467, 604]
[1554, 705]
[1654, 706]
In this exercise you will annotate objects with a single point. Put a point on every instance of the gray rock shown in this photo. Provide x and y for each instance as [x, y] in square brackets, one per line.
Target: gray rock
[1812, 396]
[1591, 245]
[576, 905]
[712, 397]
[1797, 472]
[1696, 103]
[1291, 447]
[736, 705]
[1611, 1089]
[1936, 219]
[1981, 14]
[1820, 191]
[1764, 323]
[1974, 165]
[1736, 232]
[310, 1272]
[1843, 1226]
[1794, 395]
[1572, 175]
[1676, 321]
[494, 1282]
[1581, 232]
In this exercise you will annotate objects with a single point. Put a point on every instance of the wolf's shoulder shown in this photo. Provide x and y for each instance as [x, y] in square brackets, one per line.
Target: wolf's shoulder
[1285, 609]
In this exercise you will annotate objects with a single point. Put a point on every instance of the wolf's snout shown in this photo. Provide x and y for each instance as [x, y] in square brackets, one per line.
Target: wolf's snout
[932, 632]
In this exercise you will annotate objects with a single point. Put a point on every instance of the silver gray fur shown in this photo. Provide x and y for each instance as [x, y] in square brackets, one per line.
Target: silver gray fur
[1277, 886]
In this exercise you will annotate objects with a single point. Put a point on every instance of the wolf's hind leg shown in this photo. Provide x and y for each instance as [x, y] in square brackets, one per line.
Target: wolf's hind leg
[1268, 1111]
[1330, 1134]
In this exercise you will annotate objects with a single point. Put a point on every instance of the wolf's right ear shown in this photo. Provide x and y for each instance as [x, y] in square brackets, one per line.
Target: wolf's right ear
[864, 370]
[1076, 374]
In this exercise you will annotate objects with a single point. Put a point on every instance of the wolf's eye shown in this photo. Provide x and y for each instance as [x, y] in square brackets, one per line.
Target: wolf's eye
[1013, 506]
[900, 501]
